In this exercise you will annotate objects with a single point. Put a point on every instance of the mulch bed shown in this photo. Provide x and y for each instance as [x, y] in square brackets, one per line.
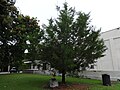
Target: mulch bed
[71, 87]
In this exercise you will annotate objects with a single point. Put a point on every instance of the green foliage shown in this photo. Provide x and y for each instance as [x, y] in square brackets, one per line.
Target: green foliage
[71, 42]
[8, 14]
[29, 34]
[15, 31]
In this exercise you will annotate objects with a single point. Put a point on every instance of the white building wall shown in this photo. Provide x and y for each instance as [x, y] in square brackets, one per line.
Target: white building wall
[110, 62]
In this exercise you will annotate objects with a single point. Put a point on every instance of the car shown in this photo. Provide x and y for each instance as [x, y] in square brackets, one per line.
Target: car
[13, 70]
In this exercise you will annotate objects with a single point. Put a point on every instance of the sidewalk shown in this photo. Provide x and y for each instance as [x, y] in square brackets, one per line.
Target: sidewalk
[4, 73]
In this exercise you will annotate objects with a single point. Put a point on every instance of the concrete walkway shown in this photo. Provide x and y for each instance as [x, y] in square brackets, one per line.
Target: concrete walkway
[4, 72]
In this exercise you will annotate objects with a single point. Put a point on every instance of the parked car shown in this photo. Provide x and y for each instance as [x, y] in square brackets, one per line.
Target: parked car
[13, 70]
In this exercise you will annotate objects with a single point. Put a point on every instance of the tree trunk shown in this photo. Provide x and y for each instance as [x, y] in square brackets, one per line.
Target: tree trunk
[63, 76]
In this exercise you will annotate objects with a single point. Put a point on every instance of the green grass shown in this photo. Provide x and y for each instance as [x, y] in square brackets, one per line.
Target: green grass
[23, 82]
[37, 82]
[95, 84]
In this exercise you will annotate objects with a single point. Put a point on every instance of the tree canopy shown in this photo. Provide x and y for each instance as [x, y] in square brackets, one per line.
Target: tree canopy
[30, 35]
[71, 43]
[15, 31]
[8, 14]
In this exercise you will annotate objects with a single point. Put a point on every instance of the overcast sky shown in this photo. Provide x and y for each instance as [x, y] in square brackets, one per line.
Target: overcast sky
[105, 14]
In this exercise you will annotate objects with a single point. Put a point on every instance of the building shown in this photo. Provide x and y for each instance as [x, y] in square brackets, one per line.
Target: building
[111, 60]
[110, 63]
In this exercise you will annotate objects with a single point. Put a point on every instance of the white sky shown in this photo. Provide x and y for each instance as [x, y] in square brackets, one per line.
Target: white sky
[105, 14]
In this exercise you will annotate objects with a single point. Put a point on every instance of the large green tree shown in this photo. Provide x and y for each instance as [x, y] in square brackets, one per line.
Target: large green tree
[17, 33]
[8, 14]
[29, 36]
[71, 42]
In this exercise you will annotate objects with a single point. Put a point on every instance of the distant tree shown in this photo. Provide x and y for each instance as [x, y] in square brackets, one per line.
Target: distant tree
[71, 42]
[8, 14]
[15, 31]
[29, 35]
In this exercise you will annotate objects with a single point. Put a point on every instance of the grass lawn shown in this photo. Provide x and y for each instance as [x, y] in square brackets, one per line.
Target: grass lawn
[37, 82]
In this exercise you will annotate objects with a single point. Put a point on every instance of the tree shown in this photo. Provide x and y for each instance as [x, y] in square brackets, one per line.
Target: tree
[71, 42]
[29, 35]
[8, 14]
[17, 33]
